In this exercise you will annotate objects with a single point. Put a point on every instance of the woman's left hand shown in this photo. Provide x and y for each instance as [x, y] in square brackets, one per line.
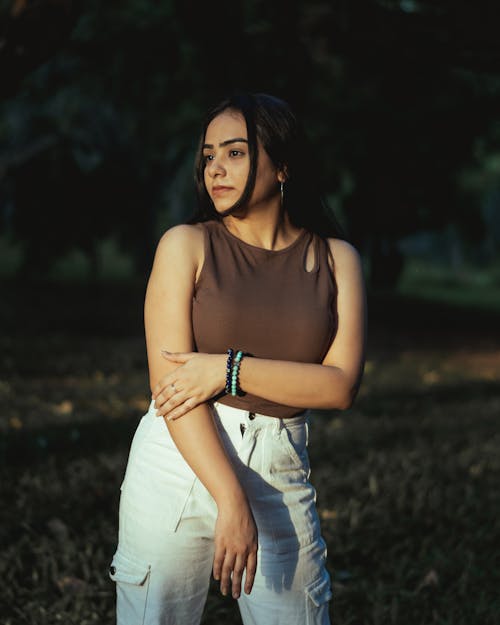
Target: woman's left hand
[198, 378]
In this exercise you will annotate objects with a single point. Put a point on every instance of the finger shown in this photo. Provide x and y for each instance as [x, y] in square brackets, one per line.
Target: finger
[183, 409]
[250, 571]
[171, 390]
[175, 357]
[239, 567]
[160, 400]
[156, 389]
[220, 552]
[171, 404]
[166, 394]
[227, 569]
[162, 385]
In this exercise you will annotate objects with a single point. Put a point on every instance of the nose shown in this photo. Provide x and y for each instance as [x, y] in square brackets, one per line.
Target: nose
[215, 167]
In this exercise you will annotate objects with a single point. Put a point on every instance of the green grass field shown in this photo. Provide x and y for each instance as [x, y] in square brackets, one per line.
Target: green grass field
[407, 479]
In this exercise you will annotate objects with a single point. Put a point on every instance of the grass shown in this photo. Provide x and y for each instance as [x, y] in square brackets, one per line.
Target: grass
[407, 479]
[468, 286]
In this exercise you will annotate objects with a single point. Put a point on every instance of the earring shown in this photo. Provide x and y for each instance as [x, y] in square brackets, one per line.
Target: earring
[282, 184]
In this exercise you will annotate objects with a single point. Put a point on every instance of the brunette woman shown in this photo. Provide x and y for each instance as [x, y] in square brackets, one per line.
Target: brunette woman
[254, 312]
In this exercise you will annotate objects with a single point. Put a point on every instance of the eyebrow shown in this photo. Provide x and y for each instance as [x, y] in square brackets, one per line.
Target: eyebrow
[210, 146]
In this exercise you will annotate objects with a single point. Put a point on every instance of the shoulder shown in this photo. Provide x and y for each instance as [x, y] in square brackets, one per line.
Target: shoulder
[184, 241]
[181, 236]
[346, 258]
[179, 250]
[343, 251]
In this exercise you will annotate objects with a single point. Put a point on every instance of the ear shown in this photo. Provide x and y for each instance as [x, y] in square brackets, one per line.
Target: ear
[283, 174]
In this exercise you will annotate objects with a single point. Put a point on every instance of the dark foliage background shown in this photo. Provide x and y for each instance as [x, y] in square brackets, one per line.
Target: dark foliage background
[99, 117]
[102, 106]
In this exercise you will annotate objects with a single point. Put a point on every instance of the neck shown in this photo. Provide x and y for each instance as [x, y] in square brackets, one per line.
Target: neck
[270, 228]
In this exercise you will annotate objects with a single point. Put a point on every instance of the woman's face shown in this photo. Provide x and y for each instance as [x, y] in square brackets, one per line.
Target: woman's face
[227, 164]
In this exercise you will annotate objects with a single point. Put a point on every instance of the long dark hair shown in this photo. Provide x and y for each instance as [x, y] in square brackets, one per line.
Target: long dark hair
[271, 121]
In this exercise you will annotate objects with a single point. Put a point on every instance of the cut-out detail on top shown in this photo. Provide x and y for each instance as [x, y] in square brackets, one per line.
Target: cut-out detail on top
[310, 261]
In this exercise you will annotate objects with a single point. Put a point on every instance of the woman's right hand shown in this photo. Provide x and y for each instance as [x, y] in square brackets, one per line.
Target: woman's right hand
[235, 548]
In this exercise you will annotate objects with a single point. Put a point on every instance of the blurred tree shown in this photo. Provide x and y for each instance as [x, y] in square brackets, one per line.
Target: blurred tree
[30, 33]
[408, 100]
[394, 95]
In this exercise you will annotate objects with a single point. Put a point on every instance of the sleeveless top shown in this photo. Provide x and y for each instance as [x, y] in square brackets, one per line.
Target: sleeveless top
[265, 303]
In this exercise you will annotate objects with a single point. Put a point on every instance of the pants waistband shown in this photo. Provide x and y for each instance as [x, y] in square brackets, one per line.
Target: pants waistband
[236, 420]
[258, 421]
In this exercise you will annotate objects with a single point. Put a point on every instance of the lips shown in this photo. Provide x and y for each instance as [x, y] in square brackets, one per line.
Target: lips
[219, 190]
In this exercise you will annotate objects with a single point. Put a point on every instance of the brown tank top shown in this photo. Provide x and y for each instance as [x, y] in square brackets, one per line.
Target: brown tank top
[265, 303]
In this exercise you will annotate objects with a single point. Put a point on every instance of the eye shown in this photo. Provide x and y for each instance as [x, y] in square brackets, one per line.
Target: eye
[236, 153]
[208, 157]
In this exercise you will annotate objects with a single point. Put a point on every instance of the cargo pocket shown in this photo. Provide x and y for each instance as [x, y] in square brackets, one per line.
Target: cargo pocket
[318, 594]
[290, 453]
[132, 586]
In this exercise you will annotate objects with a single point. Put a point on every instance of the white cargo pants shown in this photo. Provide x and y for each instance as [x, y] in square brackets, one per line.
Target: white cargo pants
[165, 551]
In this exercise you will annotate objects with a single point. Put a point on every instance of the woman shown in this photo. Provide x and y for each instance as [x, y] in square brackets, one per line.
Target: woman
[254, 312]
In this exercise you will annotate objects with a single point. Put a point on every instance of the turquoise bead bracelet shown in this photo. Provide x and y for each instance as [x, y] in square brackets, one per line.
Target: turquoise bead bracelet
[232, 371]
[235, 389]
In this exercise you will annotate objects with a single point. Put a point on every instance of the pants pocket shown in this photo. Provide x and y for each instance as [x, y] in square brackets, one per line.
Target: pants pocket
[318, 594]
[158, 481]
[290, 453]
[132, 579]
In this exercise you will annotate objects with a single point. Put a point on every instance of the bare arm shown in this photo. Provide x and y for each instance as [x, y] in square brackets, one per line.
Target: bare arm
[167, 320]
[332, 384]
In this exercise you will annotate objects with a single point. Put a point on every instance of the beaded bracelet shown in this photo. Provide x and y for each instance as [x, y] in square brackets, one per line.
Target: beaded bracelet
[235, 389]
[229, 368]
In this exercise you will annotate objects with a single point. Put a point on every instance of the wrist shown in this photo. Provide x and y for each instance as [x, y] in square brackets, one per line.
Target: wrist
[231, 498]
[232, 370]
[222, 371]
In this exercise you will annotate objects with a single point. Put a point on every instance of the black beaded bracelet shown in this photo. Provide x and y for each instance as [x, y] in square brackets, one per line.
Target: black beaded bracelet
[229, 369]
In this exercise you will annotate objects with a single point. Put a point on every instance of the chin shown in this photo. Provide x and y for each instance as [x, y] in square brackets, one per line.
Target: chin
[222, 207]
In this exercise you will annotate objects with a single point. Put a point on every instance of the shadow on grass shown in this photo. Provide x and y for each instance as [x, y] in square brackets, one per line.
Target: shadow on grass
[432, 323]
[67, 441]
[104, 434]
[378, 403]
[407, 480]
